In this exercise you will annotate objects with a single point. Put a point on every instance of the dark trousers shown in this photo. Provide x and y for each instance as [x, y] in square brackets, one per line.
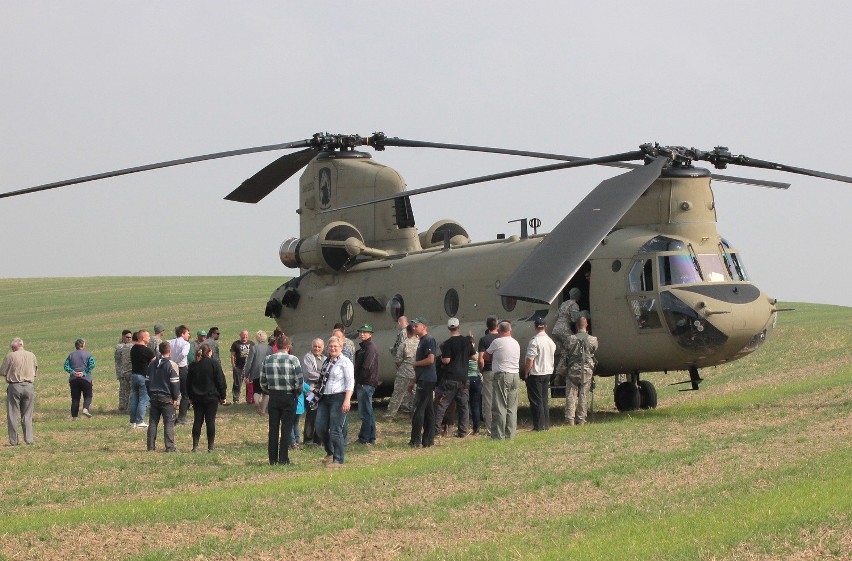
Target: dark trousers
[475, 400]
[161, 406]
[459, 392]
[423, 419]
[183, 371]
[310, 434]
[80, 386]
[281, 412]
[204, 412]
[537, 390]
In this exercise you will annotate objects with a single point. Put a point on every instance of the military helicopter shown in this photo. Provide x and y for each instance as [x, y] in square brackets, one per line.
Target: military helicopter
[664, 290]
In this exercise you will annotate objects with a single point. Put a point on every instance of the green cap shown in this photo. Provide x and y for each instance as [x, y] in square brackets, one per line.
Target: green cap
[366, 328]
[420, 319]
[201, 333]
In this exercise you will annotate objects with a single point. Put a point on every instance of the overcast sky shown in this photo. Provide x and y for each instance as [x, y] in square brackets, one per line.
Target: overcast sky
[96, 86]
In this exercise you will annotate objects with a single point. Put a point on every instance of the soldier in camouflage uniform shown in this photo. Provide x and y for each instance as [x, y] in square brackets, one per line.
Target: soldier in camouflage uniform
[156, 338]
[566, 318]
[580, 361]
[403, 398]
[123, 369]
[563, 328]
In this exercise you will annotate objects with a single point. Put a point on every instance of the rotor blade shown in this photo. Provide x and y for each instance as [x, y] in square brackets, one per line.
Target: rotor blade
[755, 163]
[494, 176]
[546, 271]
[269, 178]
[548, 156]
[169, 163]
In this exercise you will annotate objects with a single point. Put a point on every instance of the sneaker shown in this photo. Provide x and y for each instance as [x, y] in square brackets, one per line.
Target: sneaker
[133, 425]
[142, 425]
[86, 412]
[73, 418]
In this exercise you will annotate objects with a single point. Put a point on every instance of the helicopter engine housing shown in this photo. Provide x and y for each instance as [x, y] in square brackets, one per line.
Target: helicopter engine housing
[329, 250]
[434, 236]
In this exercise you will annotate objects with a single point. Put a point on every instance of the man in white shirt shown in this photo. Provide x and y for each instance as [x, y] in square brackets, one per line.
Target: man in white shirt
[180, 352]
[537, 371]
[505, 355]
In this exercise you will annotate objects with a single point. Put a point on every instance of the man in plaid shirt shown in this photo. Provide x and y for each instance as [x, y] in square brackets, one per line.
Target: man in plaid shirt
[281, 377]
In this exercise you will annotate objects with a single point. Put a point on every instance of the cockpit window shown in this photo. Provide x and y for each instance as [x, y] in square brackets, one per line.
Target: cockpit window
[662, 243]
[678, 269]
[641, 276]
[733, 263]
[712, 267]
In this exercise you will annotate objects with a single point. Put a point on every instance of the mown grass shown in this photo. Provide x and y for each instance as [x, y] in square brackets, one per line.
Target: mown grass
[756, 465]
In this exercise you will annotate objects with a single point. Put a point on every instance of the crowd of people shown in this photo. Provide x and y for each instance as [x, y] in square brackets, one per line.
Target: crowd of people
[472, 384]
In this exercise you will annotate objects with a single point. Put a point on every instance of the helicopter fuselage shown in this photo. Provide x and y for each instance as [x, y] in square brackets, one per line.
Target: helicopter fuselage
[664, 290]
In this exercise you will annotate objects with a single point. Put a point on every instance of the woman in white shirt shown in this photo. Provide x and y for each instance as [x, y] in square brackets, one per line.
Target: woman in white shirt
[333, 410]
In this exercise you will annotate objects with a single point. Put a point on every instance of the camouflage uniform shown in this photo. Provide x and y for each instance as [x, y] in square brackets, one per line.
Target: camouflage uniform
[580, 359]
[566, 318]
[402, 399]
[154, 344]
[123, 371]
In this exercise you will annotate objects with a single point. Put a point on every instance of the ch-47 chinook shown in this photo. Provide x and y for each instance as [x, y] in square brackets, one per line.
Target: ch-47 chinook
[665, 291]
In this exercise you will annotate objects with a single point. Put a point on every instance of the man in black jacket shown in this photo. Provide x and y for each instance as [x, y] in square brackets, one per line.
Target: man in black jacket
[455, 354]
[366, 380]
[162, 380]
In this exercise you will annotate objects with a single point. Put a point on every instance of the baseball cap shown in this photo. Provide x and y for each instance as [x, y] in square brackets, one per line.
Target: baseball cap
[539, 321]
[366, 328]
[158, 327]
[201, 333]
[452, 323]
[420, 319]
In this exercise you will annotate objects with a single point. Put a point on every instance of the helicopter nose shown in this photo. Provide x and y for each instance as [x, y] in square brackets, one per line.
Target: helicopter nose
[726, 320]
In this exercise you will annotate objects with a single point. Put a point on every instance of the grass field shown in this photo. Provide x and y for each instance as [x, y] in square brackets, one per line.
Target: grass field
[757, 465]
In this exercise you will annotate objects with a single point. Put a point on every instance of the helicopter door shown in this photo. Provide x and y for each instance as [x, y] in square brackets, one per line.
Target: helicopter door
[582, 281]
[643, 298]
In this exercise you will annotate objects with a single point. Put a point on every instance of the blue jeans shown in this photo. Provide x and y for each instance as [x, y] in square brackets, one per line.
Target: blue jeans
[475, 401]
[367, 434]
[332, 426]
[138, 398]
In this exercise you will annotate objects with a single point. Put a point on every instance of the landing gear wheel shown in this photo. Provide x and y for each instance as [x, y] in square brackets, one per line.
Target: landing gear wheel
[627, 397]
[647, 395]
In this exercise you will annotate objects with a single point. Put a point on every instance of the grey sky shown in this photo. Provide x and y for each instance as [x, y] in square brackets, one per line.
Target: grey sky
[96, 86]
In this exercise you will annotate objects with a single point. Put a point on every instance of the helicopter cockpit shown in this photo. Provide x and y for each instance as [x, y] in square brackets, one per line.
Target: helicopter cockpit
[668, 273]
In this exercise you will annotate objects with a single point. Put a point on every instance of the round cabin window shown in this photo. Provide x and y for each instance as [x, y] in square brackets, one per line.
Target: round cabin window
[451, 302]
[509, 303]
[396, 307]
[347, 313]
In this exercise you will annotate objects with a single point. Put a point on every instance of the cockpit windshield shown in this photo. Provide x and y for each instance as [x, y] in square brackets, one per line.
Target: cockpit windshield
[678, 269]
[712, 267]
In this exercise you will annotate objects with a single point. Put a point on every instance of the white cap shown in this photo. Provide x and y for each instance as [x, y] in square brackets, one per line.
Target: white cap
[452, 323]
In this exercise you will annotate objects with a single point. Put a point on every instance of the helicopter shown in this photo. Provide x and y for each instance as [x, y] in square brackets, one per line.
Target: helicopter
[664, 290]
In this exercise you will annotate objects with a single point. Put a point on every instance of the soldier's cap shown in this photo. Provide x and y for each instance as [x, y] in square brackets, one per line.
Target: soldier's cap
[453, 323]
[201, 333]
[159, 328]
[420, 319]
[366, 328]
[574, 293]
[539, 321]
